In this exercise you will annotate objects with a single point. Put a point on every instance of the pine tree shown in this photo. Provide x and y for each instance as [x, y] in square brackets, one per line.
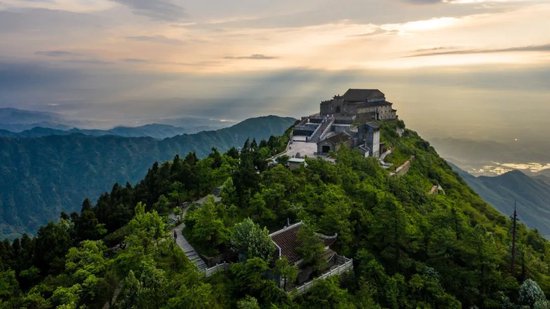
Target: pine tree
[514, 232]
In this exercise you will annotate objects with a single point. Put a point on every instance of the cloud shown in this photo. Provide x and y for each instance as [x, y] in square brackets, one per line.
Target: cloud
[425, 1]
[155, 39]
[64, 56]
[15, 77]
[459, 1]
[377, 31]
[438, 51]
[501, 168]
[164, 10]
[251, 57]
[136, 60]
[56, 53]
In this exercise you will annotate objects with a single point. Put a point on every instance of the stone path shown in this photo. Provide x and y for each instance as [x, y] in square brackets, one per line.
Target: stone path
[404, 168]
[189, 251]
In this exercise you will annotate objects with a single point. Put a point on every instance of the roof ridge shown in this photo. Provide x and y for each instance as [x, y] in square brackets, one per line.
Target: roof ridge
[286, 228]
[327, 237]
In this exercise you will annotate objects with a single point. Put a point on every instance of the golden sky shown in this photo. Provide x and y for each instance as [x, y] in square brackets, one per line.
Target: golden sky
[209, 36]
[135, 61]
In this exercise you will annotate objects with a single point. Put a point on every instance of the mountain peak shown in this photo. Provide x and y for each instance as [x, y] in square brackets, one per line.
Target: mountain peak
[514, 173]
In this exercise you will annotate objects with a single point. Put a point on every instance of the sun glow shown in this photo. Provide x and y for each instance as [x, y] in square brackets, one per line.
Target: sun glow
[421, 25]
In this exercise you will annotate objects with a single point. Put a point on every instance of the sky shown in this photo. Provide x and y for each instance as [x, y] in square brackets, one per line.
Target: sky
[463, 69]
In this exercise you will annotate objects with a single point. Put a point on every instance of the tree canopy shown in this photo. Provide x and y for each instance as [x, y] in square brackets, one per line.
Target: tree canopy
[410, 249]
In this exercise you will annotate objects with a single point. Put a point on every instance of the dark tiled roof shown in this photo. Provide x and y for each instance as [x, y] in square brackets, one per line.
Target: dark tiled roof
[287, 240]
[362, 95]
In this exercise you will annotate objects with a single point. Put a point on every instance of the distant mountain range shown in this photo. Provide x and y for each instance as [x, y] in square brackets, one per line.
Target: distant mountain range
[42, 175]
[15, 120]
[158, 131]
[532, 195]
[24, 123]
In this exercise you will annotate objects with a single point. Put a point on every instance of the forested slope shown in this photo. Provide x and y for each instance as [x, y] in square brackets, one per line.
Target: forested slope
[531, 196]
[410, 249]
[40, 177]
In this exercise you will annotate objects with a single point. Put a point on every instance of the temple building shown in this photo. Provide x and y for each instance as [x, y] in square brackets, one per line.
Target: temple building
[351, 120]
[365, 104]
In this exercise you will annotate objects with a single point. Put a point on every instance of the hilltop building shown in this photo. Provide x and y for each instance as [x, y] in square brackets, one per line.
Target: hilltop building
[366, 104]
[351, 120]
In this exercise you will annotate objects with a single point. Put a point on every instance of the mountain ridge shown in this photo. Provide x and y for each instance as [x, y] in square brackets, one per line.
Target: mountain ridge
[28, 123]
[531, 195]
[401, 245]
[43, 176]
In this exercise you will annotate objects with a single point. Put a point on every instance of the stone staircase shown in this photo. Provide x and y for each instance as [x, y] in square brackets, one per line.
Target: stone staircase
[322, 130]
[189, 251]
[196, 259]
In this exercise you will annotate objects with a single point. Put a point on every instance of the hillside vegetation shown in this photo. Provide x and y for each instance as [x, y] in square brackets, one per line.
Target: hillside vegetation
[40, 177]
[530, 194]
[410, 249]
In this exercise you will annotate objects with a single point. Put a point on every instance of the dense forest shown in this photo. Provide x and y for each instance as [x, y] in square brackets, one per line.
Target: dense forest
[410, 249]
[42, 176]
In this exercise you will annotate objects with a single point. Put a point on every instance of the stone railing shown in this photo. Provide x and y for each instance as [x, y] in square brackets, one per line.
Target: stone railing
[215, 269]
[340, 269]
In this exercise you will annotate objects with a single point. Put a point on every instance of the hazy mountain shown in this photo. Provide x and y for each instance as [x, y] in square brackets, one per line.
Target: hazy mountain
[155, 130]
[16, 120]
[544, 178]
[531, 193]
[158, 131]
[25, 123]
[42, 176]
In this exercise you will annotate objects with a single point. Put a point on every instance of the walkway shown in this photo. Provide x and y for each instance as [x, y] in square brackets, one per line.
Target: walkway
[322, 129]
[404, 168]
[189, 251]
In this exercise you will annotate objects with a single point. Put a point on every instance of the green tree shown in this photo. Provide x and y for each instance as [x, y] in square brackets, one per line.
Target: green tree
[9, 287]
[147, 291]
[286, 271]
[310, 248]
[206, 225]
[67, 297]
[250, 241]
[146, 228]
[327, 294]
[229, 195]
[530, 293]
[248, 302]
[198, 296]
[86, 266]
[51, 244]
[87, 225]
[252, 278]
[130, 292]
